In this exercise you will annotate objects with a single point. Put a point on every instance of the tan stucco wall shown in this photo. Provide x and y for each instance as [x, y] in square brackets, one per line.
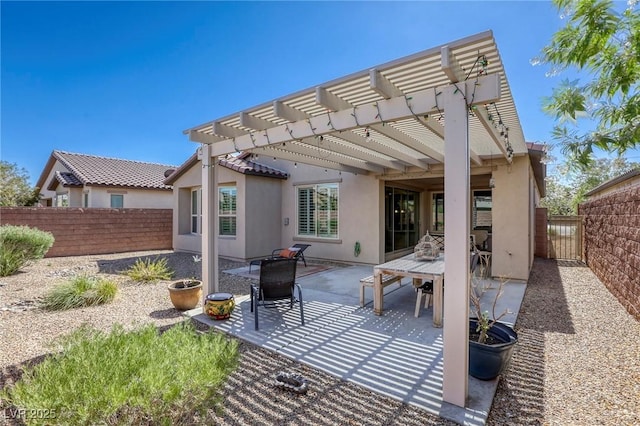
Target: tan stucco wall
[258, 214]
[358, 214]
[133, 198]
[265, 204]
[512, 218]
[262, 219]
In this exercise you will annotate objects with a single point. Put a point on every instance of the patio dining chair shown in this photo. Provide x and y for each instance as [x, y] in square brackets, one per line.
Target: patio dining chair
[276, 286]
[296, 251]
[426, 289]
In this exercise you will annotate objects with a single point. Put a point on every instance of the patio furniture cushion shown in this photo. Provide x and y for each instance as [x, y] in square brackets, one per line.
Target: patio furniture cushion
[296, 251]
[289, 253]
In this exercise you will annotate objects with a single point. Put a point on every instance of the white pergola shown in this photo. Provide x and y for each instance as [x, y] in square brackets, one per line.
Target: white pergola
[444, 108]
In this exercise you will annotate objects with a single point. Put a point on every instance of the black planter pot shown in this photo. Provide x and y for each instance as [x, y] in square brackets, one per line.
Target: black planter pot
[486, 362]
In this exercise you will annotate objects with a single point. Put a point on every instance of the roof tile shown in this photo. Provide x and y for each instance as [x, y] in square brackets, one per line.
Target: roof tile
[105, 171]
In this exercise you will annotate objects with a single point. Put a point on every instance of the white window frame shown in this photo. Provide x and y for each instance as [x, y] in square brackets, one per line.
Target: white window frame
[196, 211]
[62, 199]
[227, 213]
[309, 211]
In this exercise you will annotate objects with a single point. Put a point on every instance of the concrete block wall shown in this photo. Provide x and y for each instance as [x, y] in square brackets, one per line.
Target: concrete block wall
[83, 231]
[612, 243]
[541, 248]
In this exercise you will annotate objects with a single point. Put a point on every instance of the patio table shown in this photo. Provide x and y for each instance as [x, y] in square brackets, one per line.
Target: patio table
[419, 270]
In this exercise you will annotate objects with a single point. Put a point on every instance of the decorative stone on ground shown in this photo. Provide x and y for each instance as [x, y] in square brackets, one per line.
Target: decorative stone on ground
[292, 382]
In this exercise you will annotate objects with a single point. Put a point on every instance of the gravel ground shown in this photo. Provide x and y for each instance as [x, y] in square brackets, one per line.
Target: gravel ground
[578, 360]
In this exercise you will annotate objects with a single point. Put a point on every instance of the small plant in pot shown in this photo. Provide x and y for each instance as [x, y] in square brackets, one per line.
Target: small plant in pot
[491, 342]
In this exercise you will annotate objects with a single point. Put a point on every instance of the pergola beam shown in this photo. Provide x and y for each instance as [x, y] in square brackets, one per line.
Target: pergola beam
[291, 114]
[455, 73]
[335, 147]
[226, 131]
[330, 152]
[374, 145]
[205, 138]
[335, 103]
[422, 102]
[251, 122]
[385, 88]
[282, 110]
[295, 157]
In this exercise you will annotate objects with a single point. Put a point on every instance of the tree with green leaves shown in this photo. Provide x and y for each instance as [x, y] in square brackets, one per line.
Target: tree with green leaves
[14, 186]
[602, 41]
[567, 188]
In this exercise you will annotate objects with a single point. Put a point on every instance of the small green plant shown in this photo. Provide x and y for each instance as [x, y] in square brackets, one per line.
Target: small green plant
[20, 245]
[136, 377]
[149, 270]
[79, 292]
[485, 321]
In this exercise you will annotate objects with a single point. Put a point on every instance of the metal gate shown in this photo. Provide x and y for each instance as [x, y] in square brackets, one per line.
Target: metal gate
[566, 237]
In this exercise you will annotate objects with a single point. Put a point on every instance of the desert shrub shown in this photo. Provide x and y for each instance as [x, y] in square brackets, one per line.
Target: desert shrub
[20, 245]
[149, 270]
[136, 377]
[80, 291]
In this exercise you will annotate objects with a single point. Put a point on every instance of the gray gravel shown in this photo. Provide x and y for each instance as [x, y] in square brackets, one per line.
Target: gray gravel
[578, 360]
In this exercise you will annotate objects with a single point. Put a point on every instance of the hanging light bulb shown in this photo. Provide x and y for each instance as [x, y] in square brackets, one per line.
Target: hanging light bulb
[295, 165]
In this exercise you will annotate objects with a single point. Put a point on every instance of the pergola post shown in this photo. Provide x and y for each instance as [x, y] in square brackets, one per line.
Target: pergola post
[209, 221]
[456, 219]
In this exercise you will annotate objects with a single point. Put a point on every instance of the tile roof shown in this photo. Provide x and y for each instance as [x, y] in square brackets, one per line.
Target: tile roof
[239, 164]
[244, 166]
[64, 179]
[92, 170]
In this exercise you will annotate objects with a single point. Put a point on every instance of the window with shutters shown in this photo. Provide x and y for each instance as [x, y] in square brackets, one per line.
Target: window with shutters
[227, 210]
[318, 210]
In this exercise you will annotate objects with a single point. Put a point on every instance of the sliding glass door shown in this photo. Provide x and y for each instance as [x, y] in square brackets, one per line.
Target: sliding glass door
[401, 219]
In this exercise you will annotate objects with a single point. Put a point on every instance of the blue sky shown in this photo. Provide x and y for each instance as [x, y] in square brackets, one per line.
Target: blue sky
[124, 79]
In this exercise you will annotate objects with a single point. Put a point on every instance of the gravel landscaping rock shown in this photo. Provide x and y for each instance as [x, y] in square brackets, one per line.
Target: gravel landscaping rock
[578, 360]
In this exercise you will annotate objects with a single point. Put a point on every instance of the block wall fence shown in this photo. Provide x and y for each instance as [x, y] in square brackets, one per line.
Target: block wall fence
[612, 244]
[82, 231]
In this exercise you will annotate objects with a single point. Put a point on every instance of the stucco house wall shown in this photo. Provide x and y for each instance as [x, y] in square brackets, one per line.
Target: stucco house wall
[89, 181]
[359, 214]
[267, 213]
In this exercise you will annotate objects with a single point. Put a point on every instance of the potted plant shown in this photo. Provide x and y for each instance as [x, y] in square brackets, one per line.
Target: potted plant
[491, 342]
[185, 294]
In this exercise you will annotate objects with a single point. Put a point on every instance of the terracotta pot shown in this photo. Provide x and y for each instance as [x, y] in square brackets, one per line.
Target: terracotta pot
[184, 295]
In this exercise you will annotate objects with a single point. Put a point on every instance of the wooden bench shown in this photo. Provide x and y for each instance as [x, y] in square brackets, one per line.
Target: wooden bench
[368, 282]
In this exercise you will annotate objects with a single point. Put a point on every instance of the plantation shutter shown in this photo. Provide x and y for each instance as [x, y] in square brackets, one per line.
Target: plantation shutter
[227, 211]
[306, 221]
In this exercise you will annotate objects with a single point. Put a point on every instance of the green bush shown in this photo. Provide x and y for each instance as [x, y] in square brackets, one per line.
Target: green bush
[136, 377]
[149, 270]
[20, 245]
[79, 292]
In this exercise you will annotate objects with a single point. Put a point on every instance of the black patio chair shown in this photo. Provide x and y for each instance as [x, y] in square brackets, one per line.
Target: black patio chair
[276, 286]
[296, 251]
[426, 289]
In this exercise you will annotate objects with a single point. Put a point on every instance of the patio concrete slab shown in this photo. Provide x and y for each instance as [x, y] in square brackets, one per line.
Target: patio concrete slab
[397, 354]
